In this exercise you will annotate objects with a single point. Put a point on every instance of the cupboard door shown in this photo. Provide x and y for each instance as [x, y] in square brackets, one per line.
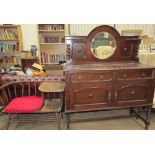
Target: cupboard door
[126, 50]
[79, 50]
[90, 96]
[134, 93]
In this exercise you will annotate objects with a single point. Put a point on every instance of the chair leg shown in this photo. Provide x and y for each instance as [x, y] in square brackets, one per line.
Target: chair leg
[8, 123]
[58, 120]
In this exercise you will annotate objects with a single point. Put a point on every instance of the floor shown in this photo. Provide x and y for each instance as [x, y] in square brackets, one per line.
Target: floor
[123, 123]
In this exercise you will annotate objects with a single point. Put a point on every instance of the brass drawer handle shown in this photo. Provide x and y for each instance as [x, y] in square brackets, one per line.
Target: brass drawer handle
[79, 77]
[90, 95]
[101, 77]
[125, 49]
[143, 74]
[109, 96]
[124, 75]
[132, 92]
[116, 96]
[84, 57]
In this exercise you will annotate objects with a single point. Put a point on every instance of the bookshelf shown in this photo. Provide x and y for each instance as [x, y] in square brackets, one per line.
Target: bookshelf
[51, 38]
[10, 45]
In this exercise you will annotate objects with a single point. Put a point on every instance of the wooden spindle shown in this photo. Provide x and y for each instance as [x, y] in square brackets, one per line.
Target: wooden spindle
[15, 92]
[9, 93]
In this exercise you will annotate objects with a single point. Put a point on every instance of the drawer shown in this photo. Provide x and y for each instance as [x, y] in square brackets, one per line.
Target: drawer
[91, 77]
[143, 74]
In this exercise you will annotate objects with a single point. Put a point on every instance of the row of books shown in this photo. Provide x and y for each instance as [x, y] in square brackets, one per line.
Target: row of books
[11, 59]
[52, 58]
[45, 39]
[7, 35]
[51, 27]
[8, 47]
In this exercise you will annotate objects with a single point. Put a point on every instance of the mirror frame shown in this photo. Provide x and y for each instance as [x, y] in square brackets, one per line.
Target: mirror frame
[107, 55]
[103, 28]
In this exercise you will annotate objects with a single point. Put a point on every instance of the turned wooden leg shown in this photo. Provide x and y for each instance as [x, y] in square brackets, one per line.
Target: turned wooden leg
[138, 111]
[68, 121]
[147, 122]
[58, 120]
[131, 111]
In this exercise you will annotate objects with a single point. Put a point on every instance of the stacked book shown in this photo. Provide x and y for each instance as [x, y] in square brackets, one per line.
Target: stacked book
[51, 27]
[7, 35]
[47, 39]
[11, 59]
[54, 58]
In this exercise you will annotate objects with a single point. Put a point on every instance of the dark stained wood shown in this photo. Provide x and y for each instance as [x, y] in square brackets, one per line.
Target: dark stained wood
[117, 82]
[79, 52]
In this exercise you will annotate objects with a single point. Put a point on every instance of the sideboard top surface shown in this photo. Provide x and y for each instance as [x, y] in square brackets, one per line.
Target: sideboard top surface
[107, 66]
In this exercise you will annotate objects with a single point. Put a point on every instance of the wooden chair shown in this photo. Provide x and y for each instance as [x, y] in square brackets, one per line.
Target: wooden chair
[32, 97]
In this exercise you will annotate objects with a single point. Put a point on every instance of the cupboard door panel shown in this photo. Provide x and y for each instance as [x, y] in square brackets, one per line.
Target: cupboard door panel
[134, 93]
[90, 96]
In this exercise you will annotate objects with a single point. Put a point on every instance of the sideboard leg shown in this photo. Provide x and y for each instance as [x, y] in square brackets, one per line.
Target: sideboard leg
[131, 111]
[68, 121]
[147, 122]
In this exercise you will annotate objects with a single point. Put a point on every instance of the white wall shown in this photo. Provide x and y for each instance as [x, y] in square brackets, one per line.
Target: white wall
[29, 34]
[29, 31]
[84, 29]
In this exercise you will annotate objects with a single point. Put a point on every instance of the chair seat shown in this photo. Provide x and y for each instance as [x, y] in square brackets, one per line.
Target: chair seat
[52, 105]
[24, 104]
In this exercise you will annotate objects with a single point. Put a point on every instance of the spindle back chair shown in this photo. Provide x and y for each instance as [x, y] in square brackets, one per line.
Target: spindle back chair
[50, 101]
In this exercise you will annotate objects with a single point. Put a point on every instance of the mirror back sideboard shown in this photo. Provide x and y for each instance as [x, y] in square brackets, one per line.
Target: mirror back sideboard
[119, 81]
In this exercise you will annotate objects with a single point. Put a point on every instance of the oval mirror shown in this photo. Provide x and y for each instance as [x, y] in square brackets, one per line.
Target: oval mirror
[103, 45]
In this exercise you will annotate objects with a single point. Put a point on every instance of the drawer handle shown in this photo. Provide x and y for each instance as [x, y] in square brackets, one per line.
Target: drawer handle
[79, 77]
[115, 96]
[101, 77]
[109, 96]
[90, 95]
[124, 75]
[125, 49]
[132, 92]
[143, 74]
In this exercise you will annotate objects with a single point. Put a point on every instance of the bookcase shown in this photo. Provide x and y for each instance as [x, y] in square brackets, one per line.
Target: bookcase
[10, 45]
[51, 38]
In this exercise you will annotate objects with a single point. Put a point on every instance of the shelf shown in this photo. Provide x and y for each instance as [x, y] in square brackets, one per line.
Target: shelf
[8, 64]
[52, 31]
[9, 40]
[51, 43]
[9, 26]
[50, 63]
[10, 45]
[10, 53]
